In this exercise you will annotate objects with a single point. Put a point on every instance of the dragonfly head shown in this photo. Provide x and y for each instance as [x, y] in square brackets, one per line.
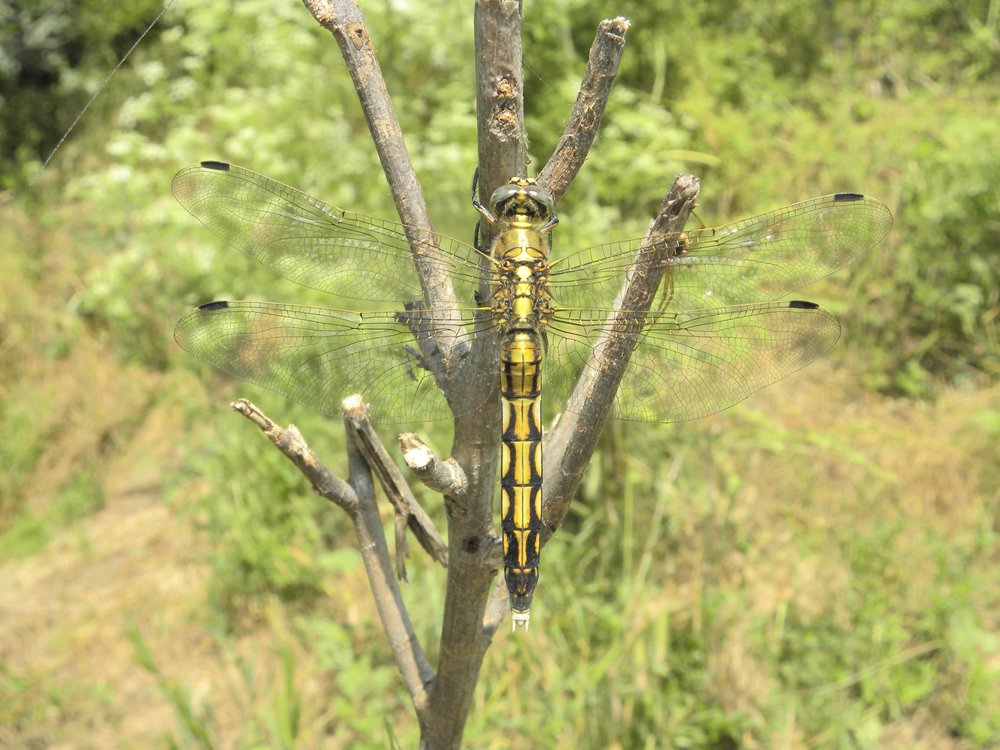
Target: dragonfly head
[522, 200]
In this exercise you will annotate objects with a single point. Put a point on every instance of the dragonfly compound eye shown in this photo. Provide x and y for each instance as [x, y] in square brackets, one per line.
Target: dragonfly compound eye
[503, 194]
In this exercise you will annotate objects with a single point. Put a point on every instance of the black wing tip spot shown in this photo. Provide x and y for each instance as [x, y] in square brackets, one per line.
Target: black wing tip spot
[219, 165]
[211, 306]
[847, 197]
[800, 304]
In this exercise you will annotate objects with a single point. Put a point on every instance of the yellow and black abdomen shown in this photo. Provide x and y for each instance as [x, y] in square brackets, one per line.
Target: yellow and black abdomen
[521, 466]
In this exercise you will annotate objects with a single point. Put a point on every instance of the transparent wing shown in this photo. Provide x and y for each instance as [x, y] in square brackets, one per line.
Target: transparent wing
[318, 356]
[697, 353]
[690, 364]
[759, 259]
[311, 243]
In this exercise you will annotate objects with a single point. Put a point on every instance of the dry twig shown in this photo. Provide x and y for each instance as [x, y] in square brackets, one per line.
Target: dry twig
[585, 119]
[357, 497]
[408, 510]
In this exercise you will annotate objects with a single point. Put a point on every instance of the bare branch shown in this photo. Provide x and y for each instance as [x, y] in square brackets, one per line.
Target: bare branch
[293, 445]
[469, 483]
[357, 497]
[396, 489]
[471, 539]
[413, 665]
[444, 477]
[344, 20]
[585, 119]
[570, 443]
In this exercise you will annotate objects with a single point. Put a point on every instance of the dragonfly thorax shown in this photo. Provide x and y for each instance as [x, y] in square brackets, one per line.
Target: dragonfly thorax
[522, 211]
[521, 299]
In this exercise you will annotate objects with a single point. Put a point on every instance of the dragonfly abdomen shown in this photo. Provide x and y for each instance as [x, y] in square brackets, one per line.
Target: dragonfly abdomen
[521, 467]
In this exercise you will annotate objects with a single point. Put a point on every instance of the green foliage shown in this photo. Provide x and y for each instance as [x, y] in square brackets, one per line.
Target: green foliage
[947, 278]
[25, 536]
[887, 630]
[839, 100]
[346, 656]
[54, 55]
[718, 90]
[21, 444]
[284, 722]
[277, 724]
[79, 498]
[29, 699]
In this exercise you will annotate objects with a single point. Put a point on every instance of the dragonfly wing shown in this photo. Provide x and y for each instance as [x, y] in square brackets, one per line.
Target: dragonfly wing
[759, 259]
[694, 363]
[311, 243]
[317, 356]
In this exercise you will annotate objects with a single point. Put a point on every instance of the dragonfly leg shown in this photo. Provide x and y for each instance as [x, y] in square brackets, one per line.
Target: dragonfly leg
[553, 220]
[481, 208]
[667, 283]
[416, 357]
[667, 291]
[479, 205]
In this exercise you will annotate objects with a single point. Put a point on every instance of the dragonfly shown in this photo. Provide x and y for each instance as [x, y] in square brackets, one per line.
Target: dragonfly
[716, 332]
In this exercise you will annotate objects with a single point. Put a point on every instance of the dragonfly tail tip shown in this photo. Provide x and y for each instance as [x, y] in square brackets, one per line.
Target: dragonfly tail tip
[519, 619]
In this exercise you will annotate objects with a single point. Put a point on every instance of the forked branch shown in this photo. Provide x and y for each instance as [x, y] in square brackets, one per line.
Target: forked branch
[408, 511]
[357, 497]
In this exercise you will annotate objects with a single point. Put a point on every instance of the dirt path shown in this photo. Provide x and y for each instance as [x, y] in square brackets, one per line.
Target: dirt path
[68, 673]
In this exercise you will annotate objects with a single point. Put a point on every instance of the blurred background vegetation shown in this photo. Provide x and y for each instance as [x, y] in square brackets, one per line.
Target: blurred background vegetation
[815, 568]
